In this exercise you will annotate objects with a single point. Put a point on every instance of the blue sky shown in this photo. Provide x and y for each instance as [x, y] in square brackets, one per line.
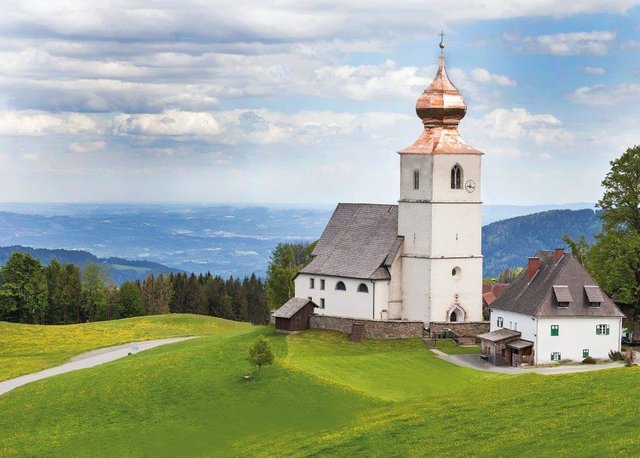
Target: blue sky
[307, 102]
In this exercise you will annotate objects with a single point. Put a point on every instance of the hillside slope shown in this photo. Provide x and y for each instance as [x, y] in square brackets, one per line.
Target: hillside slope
[120, 270]
[508, 243]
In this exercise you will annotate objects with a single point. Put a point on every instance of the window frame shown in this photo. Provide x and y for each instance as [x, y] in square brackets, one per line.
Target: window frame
[603, 329]
[312, 283]
[556, 328]
[344, 286]
[322, 304]
[363, 290]
[556, 356]
[322, 284]
[500, 322]
[585, 353]
[456, 176]
[416, 180]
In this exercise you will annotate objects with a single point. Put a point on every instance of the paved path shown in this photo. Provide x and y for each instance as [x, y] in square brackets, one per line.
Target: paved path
[85, 360]
[474, 361]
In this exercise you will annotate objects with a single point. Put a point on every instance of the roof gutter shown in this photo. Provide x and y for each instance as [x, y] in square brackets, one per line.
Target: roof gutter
[373, 303]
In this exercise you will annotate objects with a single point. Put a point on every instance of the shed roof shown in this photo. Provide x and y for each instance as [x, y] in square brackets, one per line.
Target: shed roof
[360, 241]
[499, 334]
[536, 297]
[520, 344]
[291, 307]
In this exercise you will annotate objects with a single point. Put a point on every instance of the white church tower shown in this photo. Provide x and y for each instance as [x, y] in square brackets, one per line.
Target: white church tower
[440, 212]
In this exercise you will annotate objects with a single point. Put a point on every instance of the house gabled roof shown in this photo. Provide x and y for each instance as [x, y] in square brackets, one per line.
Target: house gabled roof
[360, 241]
[540, 295]
[291, 307]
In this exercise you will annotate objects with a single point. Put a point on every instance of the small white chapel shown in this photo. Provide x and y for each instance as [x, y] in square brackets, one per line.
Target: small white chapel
[419, 260]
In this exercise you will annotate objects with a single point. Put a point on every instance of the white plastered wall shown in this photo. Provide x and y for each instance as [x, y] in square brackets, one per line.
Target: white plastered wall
[442, 229]
[576, 334]
[349, 303]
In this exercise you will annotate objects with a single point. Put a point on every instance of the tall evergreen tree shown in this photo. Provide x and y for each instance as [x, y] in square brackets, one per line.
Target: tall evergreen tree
[94, 298]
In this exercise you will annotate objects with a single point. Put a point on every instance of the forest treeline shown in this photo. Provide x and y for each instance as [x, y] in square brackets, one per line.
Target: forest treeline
[65, 293]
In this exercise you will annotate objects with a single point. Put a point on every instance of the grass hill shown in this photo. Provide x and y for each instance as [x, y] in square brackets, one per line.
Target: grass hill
[324, 395]
[120, 270]
[508, 243]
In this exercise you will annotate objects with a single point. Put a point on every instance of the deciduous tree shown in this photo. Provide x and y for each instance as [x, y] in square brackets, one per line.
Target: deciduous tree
[614, 259]
[260, 353]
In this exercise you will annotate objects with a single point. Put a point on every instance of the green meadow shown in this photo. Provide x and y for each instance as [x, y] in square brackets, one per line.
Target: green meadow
[324, 395]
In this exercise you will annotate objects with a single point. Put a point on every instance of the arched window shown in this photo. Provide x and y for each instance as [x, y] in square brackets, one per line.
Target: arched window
[456, 177]
[362, 288]
[340, 286]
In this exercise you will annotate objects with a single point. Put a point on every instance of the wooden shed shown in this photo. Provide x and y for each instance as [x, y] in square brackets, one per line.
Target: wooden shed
[504, 347]
[294, 315]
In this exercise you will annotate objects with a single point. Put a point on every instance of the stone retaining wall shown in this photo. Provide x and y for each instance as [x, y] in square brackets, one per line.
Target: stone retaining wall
[373, 329]
[468, 329]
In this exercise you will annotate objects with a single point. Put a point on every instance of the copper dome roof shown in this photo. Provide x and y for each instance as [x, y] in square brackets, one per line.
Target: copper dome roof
[440, 107]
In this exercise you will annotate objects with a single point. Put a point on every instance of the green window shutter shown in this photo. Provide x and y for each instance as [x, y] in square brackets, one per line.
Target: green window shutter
[598, 330]
[607, 329]
[555, 330]
[585, 353]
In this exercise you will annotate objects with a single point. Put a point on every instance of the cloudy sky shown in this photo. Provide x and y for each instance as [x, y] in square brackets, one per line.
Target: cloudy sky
[305, 101]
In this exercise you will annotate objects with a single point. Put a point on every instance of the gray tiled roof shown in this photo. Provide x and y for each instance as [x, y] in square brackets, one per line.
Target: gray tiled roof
[536, 297]
[357, 242]
[291, 307]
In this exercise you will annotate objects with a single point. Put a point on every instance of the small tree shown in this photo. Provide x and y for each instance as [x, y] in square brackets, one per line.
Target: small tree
[260, 353]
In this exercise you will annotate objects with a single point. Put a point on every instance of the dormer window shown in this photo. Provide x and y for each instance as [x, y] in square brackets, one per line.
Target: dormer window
[340, 286]
[594, 295]
[563, 295]
[456, 177]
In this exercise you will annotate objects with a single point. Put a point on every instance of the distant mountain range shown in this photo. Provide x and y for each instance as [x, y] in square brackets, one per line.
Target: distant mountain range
[238, 240]
[119, 270]
[508, 243]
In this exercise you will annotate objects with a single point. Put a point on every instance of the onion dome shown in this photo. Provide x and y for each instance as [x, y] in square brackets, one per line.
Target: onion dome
[441, 102]
[440, 107]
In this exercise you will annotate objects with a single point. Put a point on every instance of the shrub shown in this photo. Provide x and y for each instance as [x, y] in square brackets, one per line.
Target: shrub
[630, 358]
[615, 356]
[588, 360]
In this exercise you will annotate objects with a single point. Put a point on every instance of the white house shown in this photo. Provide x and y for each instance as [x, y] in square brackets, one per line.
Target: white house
[419, 260]
[553, 311]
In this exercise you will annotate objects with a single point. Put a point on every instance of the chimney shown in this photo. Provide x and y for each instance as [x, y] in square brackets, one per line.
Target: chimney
[559, 254]
[534, 265]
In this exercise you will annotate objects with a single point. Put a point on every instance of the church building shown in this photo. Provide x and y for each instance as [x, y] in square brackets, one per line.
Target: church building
[419, 260]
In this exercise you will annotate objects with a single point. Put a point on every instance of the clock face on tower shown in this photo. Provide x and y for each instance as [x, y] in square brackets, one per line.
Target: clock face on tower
[470, 186]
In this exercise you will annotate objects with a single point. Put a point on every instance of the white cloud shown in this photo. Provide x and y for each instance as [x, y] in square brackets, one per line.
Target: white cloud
[592, 70]
[259, 21]
[36, 123]
[603, 95]
[262, 127]
[566, 44]
[86, 147]
[629, 45]
[170, 122]
[482, 75]
[519, 124]
[31, 157]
